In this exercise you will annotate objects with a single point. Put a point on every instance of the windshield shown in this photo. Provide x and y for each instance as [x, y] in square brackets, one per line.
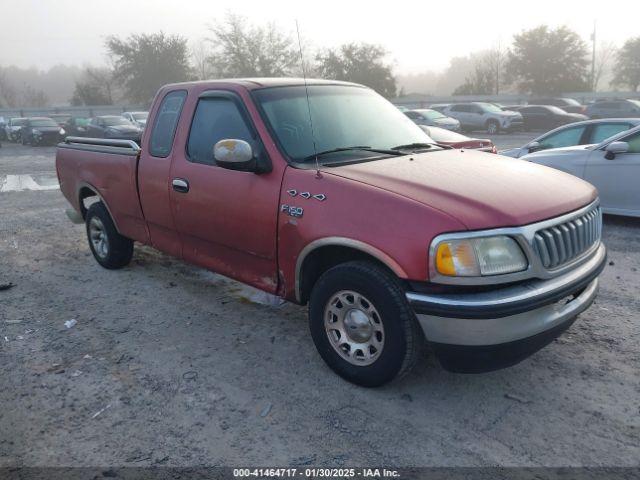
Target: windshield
[635, 102]
[42, 122]
[140, 115]
[342, 116]
[571, 101]
[431, 114]
[18, 122]
[113, 121]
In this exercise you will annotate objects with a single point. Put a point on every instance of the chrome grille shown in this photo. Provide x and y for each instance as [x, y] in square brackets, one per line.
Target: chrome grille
[560, 244]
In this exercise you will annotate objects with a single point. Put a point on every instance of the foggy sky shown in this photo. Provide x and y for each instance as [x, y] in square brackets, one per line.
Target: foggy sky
[420, 35]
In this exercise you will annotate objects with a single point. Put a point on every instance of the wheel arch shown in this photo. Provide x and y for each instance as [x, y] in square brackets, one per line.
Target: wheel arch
[86, 190]
[321, 254]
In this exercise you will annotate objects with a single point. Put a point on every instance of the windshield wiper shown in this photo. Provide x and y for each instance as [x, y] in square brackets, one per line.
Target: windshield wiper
[412, 146]
[365, 148]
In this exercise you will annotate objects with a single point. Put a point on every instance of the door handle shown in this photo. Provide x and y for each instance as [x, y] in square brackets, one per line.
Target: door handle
[180, 185]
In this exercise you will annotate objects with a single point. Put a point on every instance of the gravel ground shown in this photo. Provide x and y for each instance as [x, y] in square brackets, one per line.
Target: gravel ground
[168, 364]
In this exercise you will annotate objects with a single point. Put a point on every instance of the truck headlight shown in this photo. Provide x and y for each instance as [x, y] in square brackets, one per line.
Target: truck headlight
[476, 257]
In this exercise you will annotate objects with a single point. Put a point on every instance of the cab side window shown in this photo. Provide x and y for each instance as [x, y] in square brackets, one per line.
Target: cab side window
[605, 130]
[166, 122]
[564, 138]
[215, 119]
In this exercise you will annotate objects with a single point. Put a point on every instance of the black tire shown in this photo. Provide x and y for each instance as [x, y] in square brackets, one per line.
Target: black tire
[493, 127]
[404, 341]
[119, 249]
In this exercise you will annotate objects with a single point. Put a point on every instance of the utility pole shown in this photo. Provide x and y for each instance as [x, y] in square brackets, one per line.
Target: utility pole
[593, 58]
[498, 61]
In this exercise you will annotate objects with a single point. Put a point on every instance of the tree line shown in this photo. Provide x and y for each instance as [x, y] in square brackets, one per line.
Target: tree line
[541, 60]
[142, 63]
[544, 60]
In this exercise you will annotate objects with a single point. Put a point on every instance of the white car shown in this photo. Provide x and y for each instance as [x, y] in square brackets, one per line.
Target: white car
[613, 166]
[137, 118]
[579, 133]
[14, 127]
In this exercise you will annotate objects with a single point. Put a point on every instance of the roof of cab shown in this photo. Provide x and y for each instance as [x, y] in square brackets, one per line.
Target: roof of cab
[257, 83]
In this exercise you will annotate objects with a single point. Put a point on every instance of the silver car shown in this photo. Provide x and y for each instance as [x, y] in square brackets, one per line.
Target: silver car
[137, 118]
[613, 166]
[433, 118]
[579, 133]
[484, 116]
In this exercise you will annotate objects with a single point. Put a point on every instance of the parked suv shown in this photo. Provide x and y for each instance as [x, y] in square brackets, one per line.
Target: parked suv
[484, 116]
[614, 109]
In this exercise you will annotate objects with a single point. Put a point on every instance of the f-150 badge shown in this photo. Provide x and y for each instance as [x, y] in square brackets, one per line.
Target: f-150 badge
[292, 211]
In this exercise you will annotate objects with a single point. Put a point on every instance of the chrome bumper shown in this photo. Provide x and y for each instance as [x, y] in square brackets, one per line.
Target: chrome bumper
[508, 314]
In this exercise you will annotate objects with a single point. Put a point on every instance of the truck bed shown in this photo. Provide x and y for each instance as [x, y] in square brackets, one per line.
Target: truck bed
[107, 168]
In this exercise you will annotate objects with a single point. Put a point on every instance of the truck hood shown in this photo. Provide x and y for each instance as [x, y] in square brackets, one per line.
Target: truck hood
[479, 189]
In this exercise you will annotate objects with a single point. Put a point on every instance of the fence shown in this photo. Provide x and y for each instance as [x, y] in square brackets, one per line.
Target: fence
[85, 111]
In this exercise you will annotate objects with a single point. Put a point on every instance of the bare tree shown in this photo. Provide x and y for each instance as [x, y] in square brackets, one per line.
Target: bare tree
[8, 93]
[32, 97]
[200, 52]
[97, 87]
[486, 76]
[239, 49]
[605, 57]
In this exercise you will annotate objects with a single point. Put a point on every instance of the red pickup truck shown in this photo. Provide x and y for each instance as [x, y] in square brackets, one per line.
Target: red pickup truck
[324, 193]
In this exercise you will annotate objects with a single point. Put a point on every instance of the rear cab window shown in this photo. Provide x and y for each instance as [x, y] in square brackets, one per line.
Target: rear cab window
[165, 123]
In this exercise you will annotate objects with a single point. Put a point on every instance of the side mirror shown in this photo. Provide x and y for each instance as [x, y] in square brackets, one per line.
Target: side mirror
[615, 148]
[235, 155]
[534, 147]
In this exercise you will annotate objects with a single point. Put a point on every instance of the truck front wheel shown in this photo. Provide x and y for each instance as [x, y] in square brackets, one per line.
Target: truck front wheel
[362, 324]
[109, 248]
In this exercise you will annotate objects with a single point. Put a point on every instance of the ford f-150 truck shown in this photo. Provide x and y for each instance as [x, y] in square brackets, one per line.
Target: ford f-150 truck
[325, 194]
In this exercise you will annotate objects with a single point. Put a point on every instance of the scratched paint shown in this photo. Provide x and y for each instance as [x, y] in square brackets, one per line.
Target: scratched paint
[19, 183]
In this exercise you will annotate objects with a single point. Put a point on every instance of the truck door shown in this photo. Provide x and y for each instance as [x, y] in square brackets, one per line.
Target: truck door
[153, 173]
[227, 219]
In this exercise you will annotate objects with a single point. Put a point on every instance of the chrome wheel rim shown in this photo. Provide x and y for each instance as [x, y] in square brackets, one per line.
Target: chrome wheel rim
[354, 328]
[98, 237]
[492, 128]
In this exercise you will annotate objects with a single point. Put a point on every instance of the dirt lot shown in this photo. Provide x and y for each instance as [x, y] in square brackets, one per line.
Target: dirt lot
[171, 365]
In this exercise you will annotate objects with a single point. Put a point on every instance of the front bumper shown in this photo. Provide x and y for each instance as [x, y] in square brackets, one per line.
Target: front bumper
[497, 328]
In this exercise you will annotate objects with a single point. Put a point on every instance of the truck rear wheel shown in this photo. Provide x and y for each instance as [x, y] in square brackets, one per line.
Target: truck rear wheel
[362, 325]
[109, 248]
